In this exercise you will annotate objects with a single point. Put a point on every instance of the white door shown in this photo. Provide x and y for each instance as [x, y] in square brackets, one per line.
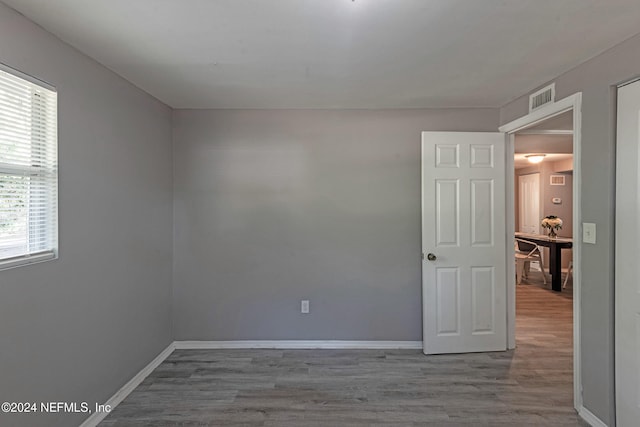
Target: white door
[463, 242]
[529, 203]
[627, 288]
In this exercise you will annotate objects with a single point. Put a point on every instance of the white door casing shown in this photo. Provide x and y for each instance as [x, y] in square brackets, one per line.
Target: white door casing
[529, 203]
[571, 103]
[463, 206]
[627, 271]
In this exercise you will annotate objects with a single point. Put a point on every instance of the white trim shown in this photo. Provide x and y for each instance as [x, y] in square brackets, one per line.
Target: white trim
[542, 114]
[27, 77]
[570, 103]
[510, 229]
[300, 344]
[546, 132]
[126, 389]
[588, 416]
[577, 249]
[27, 259]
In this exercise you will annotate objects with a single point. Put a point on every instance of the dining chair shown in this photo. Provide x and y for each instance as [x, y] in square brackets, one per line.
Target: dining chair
[566, 278]
[526, 253]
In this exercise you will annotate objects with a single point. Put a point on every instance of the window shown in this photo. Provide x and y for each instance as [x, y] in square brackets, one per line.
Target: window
[28, 170]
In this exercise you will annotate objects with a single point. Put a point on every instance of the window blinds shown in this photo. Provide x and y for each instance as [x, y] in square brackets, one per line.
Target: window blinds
[28, 169]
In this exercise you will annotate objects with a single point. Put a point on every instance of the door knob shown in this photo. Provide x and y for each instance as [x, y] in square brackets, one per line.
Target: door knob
[431, 257]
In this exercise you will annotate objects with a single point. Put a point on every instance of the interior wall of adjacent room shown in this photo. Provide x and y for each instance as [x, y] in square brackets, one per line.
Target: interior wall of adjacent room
[548, 192]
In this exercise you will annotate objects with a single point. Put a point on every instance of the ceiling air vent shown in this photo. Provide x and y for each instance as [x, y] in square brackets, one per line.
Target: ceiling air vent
[557, 180]
[542, 97]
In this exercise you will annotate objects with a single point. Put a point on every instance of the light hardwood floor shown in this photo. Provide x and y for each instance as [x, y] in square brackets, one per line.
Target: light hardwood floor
[530, 386]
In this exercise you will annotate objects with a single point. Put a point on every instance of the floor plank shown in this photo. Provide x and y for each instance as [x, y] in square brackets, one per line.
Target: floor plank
[529, 386]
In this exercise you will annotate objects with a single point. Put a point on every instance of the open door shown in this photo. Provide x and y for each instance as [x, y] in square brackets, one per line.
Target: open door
[463, 242]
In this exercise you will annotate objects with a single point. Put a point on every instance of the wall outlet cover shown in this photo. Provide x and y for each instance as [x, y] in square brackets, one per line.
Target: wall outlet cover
[589, 232]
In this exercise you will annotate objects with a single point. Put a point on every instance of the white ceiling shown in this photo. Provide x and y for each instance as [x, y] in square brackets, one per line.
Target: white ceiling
[527, 144]
[337, 53]
[521, 162]
[554, 147]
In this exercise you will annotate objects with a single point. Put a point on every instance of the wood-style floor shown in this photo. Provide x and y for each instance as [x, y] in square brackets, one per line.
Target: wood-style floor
[530, 386]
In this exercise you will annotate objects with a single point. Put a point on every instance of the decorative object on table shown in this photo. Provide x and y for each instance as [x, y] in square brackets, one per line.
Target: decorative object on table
[553, 223]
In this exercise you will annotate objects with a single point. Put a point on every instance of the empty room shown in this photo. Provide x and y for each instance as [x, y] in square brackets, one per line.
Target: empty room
[319, 213]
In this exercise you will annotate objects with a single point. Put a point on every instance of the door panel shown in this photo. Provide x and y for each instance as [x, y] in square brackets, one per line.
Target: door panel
[627, 287]
[464, 287]
[448, 307]
[447, 156]
[483, 293]
[482, 212]
[481, 156]
[448, 220]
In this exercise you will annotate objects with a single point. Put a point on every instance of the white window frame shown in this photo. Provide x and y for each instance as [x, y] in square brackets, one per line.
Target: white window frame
[49, 250]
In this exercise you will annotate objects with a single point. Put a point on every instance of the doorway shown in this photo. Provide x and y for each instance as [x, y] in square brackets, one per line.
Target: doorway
[543, 177]
[542, 122]
[468, 212]
[543, 168]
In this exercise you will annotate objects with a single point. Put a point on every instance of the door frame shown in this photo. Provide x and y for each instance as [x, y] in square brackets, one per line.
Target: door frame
[570, 103]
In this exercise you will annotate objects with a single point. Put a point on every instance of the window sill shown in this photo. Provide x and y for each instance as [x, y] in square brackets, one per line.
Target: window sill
[27, 260]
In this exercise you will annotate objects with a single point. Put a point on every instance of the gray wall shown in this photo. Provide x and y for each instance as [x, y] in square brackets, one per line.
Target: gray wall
[272, 207]
[78, 328]
[596, 79]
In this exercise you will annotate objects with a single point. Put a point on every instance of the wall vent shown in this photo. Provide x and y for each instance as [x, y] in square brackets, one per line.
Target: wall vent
[544, 96]
[557, 180]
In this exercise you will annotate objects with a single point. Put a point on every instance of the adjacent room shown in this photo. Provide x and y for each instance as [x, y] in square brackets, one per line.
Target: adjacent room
[318, 212]
[544, 212]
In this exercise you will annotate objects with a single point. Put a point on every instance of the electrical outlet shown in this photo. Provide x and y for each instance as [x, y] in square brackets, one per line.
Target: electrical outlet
[589, 232]
[304, 306]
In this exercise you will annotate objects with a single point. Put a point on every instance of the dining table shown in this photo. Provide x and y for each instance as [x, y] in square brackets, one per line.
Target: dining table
[555, 245]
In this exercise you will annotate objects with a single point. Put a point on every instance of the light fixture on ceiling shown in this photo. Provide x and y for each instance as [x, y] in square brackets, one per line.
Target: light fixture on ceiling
[535, 158]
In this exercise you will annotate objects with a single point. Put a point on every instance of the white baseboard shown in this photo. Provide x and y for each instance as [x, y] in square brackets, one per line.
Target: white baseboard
[126, 389]
[298, 344]
[588, 416]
